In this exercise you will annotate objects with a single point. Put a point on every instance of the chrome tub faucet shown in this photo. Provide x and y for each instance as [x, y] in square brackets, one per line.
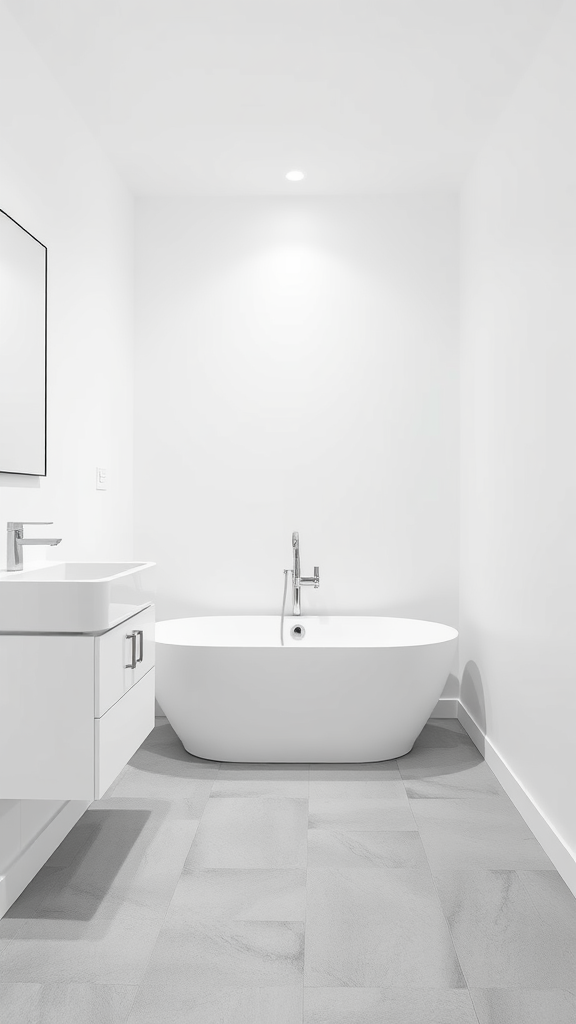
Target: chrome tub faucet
[299, 581]
[16, 541]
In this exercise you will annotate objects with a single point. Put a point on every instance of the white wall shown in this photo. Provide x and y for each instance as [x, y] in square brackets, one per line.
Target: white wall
[297, 369]
[518, 578]
[55, 181]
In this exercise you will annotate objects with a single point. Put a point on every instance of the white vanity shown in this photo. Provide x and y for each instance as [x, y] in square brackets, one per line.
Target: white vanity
[76, 677]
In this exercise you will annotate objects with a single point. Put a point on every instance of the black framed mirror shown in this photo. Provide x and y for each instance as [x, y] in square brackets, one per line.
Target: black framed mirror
[23, 349]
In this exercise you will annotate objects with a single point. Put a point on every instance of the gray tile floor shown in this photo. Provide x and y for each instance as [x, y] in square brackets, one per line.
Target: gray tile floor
[408, 892]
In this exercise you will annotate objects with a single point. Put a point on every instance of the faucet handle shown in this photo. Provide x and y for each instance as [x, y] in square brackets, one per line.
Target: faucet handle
[29, 522]
[316, 577]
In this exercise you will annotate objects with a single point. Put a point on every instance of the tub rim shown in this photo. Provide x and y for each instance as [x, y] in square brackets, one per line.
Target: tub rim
[451, 630]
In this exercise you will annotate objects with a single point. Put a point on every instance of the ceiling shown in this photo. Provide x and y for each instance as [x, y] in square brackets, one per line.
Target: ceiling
[224, 96]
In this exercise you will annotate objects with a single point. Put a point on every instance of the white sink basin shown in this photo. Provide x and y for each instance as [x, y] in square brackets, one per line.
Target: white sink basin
[74, 597]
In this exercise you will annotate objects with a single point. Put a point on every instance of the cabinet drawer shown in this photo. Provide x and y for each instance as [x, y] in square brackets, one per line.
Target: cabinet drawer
[123, 656]
[119, 733]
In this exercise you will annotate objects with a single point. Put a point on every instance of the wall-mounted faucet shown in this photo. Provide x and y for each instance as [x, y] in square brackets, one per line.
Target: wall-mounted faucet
[298, 580]
[16, 541]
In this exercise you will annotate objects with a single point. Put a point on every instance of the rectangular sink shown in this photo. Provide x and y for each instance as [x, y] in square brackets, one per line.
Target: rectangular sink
[74, 597]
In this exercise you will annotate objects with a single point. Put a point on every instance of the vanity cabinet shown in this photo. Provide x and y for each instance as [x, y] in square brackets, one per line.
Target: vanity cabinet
[74, 709]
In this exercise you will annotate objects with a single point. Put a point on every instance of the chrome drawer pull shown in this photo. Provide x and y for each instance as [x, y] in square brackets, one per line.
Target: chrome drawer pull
[140, 634]
[132, 638]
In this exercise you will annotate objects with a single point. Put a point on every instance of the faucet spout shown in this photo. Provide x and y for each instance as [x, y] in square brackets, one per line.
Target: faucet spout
[16, 541]
[48, 542]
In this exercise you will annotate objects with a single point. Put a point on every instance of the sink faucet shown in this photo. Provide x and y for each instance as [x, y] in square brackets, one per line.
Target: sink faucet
[16, 540]
[298, 580]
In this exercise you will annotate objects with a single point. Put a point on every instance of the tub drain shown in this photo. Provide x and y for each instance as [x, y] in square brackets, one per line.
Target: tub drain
[298, 632]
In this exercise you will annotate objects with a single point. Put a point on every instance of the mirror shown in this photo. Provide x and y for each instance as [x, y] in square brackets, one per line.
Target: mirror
[23, 262]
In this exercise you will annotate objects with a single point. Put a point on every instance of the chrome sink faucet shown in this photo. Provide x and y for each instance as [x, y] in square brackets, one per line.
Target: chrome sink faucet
[16, 540]
[298, 580]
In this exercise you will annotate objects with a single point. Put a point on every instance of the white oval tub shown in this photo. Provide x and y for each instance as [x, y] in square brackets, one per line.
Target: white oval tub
[354, 689]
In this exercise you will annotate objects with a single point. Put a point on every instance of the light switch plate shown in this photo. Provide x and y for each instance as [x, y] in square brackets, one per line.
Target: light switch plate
[101, 478]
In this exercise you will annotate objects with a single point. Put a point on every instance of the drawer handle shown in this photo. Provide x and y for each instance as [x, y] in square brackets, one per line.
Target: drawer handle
[132, 638]
[140, 635]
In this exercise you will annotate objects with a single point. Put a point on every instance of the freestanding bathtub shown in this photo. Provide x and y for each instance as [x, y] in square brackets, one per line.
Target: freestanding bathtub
[354, 688]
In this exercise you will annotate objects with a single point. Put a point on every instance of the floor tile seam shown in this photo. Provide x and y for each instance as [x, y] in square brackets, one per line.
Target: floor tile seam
[305, 919]
[135, 988]
[364, 879]
[381, 794]
[522, 988]
[342, 828]
[518, 988]
[448, 925]
[398, 796]
[301, 987]
[255, 796]
[471, 997]
[433, 835]
[203, 869]
[413, 816]
[258, 796]
[371, 870]
[499, 822]
[311, 986]
[162, 917]
[419, 798]
[211, 781]
[161, 922]
[488, 798]
[425, 760]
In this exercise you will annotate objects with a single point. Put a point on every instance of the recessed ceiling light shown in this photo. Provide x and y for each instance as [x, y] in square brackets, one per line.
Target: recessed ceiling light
[295, 175]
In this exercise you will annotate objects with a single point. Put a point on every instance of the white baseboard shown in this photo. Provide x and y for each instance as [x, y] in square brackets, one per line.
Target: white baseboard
[21, 871]
[447, 707]
[560, 854]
